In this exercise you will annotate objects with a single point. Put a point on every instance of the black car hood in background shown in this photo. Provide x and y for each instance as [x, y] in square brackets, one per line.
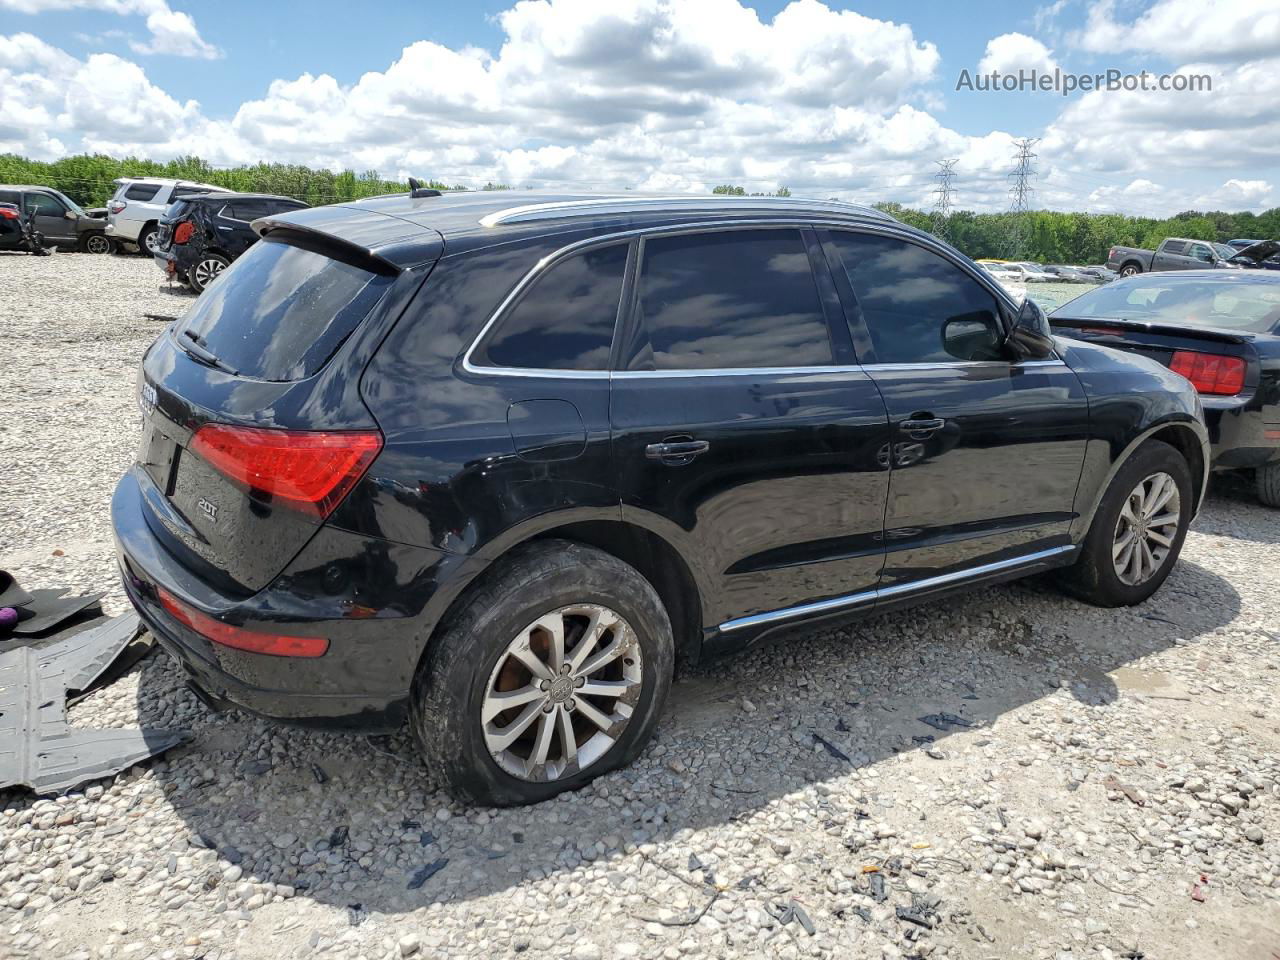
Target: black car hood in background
[1262, 250]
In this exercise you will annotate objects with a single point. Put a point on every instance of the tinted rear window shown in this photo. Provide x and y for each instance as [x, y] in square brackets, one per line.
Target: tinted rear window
[279, 312]
[142, 191]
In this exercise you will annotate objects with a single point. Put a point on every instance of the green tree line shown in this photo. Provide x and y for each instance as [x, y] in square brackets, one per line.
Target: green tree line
[89, 180]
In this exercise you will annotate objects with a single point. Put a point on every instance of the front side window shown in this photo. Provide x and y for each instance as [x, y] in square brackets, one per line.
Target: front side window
[917, 306]
[45, 205]
[1201, 251]
[727, 300]
[565, 320]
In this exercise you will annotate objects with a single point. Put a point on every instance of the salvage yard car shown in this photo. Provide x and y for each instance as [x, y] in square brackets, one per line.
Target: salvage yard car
[1176, 253]
[1222, 332]
[135, 209]
[61, 221]
[496, 467]
[199, 236]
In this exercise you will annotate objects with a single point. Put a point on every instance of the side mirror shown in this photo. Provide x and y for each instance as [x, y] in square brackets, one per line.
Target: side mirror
[1030, 338]
[973, 336]
[70, 215]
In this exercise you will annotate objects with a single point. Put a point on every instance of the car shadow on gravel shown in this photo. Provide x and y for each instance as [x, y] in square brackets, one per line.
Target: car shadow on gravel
[359, 824]
[1232, 509]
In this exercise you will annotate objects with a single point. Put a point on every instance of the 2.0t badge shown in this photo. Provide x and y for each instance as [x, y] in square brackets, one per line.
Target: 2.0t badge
[209, 509]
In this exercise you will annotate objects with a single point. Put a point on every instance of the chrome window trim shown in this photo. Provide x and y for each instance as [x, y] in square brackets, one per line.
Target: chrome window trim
[865, 596]
[557, 209]
[545, 263]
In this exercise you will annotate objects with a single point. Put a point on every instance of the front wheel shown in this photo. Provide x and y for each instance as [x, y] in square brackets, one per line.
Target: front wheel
[205, 270]
[97, 243]
[1137, 531]
[552, 672]
[1267, 479]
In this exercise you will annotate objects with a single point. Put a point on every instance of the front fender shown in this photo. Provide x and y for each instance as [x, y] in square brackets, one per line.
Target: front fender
[1132, 399]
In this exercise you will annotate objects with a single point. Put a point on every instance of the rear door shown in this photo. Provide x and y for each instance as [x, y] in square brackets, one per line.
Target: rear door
[231, 224]
[743, 431]
[1170, 255]
[986, 453]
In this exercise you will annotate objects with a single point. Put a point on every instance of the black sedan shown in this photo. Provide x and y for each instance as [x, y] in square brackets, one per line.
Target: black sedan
[1220, 330]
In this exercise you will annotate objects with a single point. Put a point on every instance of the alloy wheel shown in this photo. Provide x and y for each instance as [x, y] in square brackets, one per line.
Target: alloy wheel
[206, 270]
[562, 693]
[152, 241]
[98, 244]
[1146, 529]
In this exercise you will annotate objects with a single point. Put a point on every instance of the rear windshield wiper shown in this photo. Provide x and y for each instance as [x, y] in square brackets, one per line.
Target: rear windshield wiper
[195, 351]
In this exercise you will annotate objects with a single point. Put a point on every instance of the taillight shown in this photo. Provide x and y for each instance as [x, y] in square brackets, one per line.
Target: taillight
[273, 644]
[306, 470]
[182, 232]
[1111, 254]
[1210, 373]
[115, 206]
[7, 214]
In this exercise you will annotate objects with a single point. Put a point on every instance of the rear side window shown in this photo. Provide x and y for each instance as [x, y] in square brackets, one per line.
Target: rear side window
[279, 312]
[246, 209]
[142, 191]
[906, 294]
[565, 320]
[10, 196]
[737, 298]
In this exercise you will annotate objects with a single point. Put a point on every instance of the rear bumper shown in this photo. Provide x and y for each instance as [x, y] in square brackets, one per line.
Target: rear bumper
[362, 682]
[1241, 438]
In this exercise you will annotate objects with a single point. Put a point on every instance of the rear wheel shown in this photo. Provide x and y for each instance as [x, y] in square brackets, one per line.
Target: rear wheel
[1129, 269]
[1137, 531]
[205, 270]
[1268, 482]
[148, 239]
[551, 673]
[97, 243]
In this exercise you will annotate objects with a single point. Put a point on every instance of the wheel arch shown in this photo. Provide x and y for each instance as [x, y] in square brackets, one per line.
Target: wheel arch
[650, 554]
[1182, 435]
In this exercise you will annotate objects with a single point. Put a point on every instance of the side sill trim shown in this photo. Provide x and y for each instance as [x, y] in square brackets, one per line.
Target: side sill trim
[867, 596]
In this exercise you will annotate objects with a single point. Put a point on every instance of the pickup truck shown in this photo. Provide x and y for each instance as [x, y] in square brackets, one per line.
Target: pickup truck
[1175, 253]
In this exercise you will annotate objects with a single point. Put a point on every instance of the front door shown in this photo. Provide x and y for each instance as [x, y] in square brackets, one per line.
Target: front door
[742, 431]
[985, 453]
[51, 218]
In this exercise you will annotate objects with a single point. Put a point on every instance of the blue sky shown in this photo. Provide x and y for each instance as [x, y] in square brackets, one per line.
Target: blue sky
[841, 99]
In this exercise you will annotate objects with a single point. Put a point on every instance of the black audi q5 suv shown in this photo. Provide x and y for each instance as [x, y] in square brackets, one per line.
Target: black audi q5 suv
[494, 466]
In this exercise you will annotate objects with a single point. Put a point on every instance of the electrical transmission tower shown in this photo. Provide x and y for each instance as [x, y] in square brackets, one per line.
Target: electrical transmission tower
[1020, 193]
[942, 197]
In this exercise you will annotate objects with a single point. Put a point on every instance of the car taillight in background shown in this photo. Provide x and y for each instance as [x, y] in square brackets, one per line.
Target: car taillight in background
[305, 470]
[1111, 254]
[182, 232]
[115, 206]
[7, 214]
[1210, 373]
[273, 644]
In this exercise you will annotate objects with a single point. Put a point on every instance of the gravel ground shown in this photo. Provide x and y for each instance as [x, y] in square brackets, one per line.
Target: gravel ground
[1110, 790]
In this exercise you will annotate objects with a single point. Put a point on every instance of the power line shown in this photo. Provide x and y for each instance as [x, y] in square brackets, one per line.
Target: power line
[942, 196]
[1020, 193]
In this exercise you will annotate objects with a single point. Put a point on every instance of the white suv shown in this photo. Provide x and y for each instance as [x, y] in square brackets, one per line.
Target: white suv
[139, 202]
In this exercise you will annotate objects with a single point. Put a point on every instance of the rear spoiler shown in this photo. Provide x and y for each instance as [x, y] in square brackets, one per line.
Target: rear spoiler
[1141, 326]
[327, 244]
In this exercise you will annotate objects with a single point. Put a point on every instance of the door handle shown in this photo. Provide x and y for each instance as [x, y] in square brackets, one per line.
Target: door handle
[921, 428]
[676, 452]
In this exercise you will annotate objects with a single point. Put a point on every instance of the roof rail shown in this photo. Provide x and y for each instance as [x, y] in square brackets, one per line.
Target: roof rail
[558, 209]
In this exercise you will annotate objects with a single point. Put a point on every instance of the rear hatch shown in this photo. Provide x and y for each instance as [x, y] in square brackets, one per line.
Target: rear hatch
[250, 434]
[173, 214]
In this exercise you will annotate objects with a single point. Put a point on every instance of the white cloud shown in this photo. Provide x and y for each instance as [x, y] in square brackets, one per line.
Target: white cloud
[1209, 30]
[1011, 52]
[172, 32]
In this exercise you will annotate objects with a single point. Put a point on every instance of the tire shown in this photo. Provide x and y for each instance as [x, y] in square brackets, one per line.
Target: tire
[1095, 577]
[205, 270]
[97, 243]
[146, 238]
[1130, 269]
[1267, 479]
[470, 658]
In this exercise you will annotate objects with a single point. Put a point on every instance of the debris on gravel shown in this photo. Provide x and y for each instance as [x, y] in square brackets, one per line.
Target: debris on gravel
[1004, 774]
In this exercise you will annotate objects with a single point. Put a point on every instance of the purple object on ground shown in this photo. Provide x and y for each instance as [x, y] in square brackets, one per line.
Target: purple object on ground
[8, 616]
